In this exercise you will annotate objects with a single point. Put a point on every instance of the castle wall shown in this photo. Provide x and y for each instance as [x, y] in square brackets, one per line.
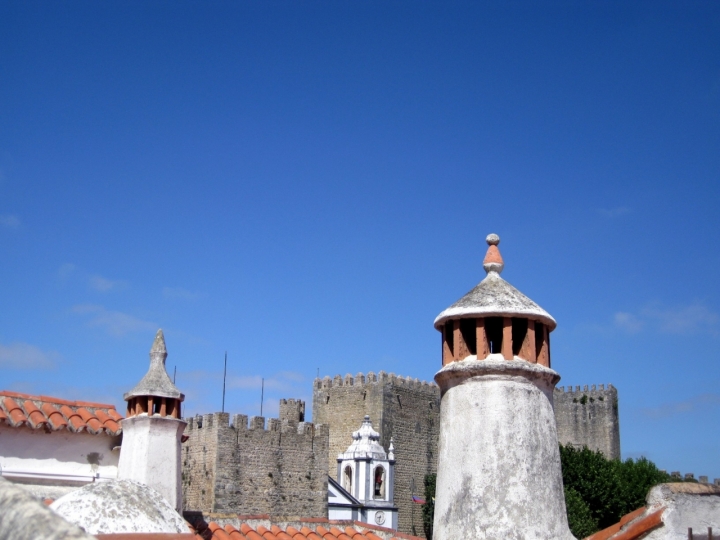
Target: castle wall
[292, 410]
[247, 469]
[412, 419]
[406, 410]
[589, 417]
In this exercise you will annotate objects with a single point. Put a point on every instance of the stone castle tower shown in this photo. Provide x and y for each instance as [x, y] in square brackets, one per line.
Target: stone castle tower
[498, 461]
[401, 409]
[152, 431]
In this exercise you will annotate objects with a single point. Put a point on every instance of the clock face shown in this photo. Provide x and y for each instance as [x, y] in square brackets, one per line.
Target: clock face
[379, 517]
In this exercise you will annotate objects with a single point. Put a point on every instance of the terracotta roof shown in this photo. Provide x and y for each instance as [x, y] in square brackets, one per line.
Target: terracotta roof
[249, 528]
[54, 414]
[149, 536]
[245, 532]
[631, 526]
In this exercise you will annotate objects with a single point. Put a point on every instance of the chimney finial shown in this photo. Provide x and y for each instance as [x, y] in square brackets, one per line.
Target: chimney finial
[493, 260]
[158, 351]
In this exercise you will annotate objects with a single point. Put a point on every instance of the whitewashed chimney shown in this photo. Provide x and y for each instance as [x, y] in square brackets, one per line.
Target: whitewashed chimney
[499, 464]
[152, 431]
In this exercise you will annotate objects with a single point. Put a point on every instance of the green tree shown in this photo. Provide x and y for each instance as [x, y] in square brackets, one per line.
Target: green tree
[428, 509]
[636, 479]
[595, 479]
[608, 488]
[580, 519]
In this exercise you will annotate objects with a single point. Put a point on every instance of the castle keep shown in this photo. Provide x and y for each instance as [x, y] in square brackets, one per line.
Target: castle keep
[398, 407]
[589, 418]
[281, 470]
[409, 411]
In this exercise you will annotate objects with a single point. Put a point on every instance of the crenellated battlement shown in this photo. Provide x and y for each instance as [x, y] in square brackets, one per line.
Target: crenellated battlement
[241, 422]
[371, 378]
[586, 389]
[690, 477]
[255, 465]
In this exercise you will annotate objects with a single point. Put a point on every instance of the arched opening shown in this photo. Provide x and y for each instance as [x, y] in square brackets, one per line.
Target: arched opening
[347, 479]
[379, 483]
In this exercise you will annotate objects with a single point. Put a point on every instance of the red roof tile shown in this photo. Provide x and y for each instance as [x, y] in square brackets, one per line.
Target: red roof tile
[229, 532]
[44, 412]
[631, 526]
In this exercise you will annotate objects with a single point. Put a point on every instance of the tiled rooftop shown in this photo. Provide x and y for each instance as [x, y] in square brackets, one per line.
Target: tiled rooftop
[246, 532]
[54, 414]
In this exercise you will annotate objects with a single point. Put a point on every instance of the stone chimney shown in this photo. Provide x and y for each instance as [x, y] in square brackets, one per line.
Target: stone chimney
[498, 464]
[150, 451]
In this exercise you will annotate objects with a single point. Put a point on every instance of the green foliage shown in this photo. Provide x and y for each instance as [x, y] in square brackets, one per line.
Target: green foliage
[428, 509]
[608, 489]
[594, 478]
[636, 479]
[582, 524]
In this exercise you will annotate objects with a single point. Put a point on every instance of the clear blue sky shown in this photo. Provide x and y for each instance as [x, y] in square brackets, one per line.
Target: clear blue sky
[306, 185]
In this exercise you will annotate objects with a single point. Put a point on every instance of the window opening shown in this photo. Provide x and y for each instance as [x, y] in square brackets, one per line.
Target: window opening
[467, 329]
[519, 329]
[379, 482]
[494, 332]
[347, 479]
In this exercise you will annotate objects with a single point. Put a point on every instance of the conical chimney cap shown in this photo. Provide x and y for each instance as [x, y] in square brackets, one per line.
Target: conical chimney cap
[156, 381]
[495, 297]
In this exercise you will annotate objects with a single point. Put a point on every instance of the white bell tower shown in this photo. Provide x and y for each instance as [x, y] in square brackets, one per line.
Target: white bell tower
[367, 473]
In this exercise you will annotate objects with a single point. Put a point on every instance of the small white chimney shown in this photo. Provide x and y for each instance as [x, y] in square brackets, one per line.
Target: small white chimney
[152, 431]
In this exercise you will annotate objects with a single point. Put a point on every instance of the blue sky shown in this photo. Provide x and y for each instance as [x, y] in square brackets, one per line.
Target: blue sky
[306, 185]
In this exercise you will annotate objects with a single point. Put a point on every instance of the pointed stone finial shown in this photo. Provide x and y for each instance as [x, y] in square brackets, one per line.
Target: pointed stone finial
[391, 450]
[493, 260]
[158, 351]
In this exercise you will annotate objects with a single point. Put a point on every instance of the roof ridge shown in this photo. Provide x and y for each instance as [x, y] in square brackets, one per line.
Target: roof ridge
[59, 401]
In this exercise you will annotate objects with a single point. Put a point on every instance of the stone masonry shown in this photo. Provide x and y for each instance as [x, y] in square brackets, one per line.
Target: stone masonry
[408, 411]
[248, 469]
[589, 417]
[400, 408]
[292, 409]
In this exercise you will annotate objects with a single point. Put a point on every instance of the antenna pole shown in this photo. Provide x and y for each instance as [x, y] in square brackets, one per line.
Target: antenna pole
[174, 373]
[224, 377]
[262, 395]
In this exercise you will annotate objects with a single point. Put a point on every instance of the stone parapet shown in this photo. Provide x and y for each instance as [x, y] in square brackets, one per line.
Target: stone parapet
[360, 380]
[255, 465]
[589, 416]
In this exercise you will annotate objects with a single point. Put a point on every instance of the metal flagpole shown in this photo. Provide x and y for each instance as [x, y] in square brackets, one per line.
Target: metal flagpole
[224, 377]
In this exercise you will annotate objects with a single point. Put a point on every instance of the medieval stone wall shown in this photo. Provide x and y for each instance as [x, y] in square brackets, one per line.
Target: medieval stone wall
[589, 417]
[247, 469]
[292, 409]
[400, 408]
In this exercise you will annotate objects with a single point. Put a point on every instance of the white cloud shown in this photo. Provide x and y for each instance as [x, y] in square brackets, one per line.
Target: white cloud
[10, 221]
[682, 320]
[102, 284]
[114, 323]
[26, 356]
[179, 293]
[628, 322]
[691, 319]
[614, 212]
[681, 407]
